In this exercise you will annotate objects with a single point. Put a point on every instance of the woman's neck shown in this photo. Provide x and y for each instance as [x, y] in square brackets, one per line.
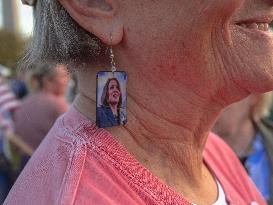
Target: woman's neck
[114, 109]
[155, 140]
[170, 151]
[161, 123]
[165, 132]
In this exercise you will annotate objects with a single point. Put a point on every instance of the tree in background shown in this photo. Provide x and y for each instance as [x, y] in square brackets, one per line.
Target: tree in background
[12, 46]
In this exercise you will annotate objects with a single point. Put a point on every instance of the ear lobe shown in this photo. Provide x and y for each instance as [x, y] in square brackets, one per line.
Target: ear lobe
[99, 17]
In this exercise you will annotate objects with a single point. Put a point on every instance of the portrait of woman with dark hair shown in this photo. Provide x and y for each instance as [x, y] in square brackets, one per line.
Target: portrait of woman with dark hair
[110, 112]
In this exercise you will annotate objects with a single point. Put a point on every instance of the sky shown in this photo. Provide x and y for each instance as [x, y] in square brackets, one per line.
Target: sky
[1, 14]
[26, 24]
[25, 16]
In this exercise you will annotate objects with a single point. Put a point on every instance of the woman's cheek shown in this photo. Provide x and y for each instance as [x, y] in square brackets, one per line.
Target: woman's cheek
[221, 8]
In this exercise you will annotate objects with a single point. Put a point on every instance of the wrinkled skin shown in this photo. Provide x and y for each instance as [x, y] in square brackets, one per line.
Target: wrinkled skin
[207, 53]
[185, 60]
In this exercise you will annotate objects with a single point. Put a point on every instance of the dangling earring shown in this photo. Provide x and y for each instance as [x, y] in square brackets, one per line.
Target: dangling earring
[111, 96]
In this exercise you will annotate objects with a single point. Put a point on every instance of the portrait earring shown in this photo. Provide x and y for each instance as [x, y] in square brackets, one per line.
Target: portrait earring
[111, 96]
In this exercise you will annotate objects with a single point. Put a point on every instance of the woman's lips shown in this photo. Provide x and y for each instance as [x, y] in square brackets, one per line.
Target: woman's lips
[260, 23]
[257, 30]
[256, 34]
[256, 26]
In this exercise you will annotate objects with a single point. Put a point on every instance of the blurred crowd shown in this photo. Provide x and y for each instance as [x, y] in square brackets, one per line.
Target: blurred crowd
[29, 105]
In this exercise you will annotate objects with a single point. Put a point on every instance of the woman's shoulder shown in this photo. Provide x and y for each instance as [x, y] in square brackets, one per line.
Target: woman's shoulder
[217, 144]
[218, 155]
[227, 168]
[51, 175]
[103, 109]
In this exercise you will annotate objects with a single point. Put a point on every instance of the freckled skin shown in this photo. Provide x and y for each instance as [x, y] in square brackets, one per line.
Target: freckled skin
[207, 52]
[187, 60]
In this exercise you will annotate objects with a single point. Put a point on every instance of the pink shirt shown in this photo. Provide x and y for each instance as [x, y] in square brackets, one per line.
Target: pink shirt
[80, 164]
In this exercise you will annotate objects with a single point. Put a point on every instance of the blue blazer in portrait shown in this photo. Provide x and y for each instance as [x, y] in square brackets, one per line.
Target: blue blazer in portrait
[106, 118]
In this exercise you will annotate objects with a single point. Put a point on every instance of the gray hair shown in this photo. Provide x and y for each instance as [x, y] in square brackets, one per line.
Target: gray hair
[58, 38]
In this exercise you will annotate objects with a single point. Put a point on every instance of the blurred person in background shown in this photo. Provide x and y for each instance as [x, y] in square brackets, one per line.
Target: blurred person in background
[72, 89]
[8, 104]
[246, 128]
[19, 88]
[45, 103]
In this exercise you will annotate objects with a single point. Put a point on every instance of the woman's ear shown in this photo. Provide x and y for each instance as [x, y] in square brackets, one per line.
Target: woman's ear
[99, 17]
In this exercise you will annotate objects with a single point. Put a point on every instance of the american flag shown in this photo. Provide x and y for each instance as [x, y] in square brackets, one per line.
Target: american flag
[8, 104]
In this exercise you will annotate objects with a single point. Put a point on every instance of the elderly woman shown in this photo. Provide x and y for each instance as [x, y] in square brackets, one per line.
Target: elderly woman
[185, 61]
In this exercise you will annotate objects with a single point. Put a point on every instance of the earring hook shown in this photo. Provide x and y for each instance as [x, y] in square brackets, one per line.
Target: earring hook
[112, 56]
